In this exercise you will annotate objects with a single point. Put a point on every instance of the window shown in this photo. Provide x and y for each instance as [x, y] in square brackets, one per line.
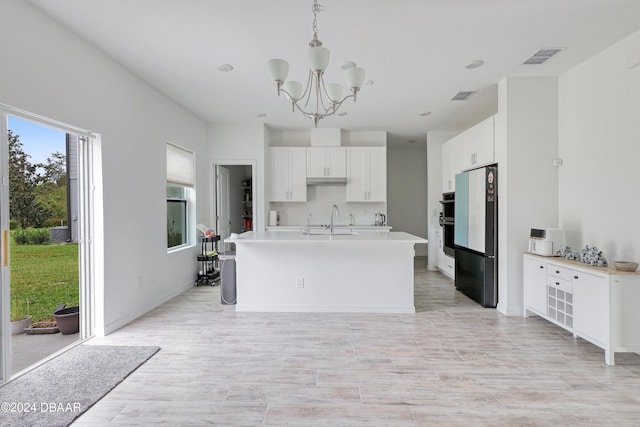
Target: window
[180, 181]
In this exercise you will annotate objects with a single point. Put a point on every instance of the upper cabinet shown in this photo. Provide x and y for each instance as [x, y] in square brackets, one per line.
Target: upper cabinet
[326, 162]
[366, 174]
[288, 172]
[470, 149]
[478, 145]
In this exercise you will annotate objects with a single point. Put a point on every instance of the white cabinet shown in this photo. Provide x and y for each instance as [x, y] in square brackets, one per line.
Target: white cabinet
[560, 295]
[535, 285]
[444, 262]
[478, 145]
[366, 174]
[288, 173]
[598, 304]
[470, 149]
[591, 299]
[448, 168]
[325, 162]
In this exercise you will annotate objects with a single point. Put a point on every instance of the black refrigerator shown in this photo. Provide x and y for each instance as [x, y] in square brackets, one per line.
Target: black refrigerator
[476, 235]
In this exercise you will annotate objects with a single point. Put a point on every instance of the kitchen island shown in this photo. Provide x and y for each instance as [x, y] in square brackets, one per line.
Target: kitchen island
[366, 272]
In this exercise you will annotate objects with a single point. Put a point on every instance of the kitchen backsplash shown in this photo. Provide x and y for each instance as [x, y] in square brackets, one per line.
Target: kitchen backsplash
[320, 198]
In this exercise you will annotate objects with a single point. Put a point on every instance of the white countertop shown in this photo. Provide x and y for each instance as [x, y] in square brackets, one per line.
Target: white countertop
[293, 237]
[353, 227]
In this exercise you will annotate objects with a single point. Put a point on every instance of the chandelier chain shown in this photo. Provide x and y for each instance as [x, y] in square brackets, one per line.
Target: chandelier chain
[315, 8]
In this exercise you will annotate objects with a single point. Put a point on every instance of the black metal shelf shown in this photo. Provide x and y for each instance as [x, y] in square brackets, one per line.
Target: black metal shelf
[208, 264]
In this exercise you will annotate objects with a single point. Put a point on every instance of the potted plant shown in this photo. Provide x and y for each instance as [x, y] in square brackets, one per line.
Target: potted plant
[20, 317]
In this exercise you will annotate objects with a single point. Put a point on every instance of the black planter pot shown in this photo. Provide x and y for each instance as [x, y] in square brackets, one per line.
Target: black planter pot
[68, 319]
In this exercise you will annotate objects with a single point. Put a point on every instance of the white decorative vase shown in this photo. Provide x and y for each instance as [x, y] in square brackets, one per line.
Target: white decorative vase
[18, 326]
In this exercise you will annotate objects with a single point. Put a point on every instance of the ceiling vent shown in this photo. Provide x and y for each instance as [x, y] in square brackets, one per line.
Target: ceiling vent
[541, 56]
[462, 96]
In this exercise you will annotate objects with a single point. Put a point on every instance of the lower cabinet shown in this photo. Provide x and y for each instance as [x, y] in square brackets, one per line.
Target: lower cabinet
[535, 286]
[598, 304]
[592, 302]
[444, 262]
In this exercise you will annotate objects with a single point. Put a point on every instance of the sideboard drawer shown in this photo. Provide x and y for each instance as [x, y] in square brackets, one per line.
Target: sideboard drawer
[562, 284]
[559, 272]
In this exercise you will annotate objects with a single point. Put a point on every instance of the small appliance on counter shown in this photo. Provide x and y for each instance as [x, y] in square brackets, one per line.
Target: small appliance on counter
[546, 241]
[380, 219]
[274, 218]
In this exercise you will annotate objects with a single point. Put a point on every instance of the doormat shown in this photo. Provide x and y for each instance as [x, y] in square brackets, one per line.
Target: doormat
[63, 388]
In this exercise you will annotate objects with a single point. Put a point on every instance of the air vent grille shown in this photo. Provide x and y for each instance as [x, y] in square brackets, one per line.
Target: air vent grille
[462, 96]
[541, 56]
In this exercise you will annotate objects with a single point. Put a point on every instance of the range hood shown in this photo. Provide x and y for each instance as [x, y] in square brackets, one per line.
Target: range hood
[327, 180]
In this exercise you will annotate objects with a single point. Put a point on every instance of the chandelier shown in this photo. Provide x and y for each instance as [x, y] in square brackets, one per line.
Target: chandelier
[327, 98]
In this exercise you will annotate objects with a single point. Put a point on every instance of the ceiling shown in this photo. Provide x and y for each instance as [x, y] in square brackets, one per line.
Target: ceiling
[415, 52]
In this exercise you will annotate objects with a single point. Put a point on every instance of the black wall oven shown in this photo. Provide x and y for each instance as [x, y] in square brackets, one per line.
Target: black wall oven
[447, 218]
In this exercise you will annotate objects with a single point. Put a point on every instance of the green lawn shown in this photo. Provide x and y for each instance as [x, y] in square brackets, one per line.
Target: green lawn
[45, 276]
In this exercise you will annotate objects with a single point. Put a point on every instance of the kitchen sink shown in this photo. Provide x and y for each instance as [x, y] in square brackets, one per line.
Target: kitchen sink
[326, 232]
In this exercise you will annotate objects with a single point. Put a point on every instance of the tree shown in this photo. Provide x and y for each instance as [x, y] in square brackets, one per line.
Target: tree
[52, 193]
[55, 170]
[23, 183]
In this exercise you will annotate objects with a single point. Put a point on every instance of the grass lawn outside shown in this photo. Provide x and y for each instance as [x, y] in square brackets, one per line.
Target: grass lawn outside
[45, 276]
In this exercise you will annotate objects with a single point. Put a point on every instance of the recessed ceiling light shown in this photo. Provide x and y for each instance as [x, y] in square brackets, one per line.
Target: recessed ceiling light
[425, 113]
[476, 63]
[347, 64]
[261, 115]
[344, 113]
[369, 82]
[225, 68]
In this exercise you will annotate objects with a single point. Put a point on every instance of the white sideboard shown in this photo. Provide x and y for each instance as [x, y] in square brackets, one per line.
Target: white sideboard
[599, 304]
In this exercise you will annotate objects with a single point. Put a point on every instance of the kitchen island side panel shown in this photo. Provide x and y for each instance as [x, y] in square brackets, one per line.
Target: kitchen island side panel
[358, 277]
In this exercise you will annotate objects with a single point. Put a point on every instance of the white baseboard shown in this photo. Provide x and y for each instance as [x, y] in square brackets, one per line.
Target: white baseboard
[324, 309]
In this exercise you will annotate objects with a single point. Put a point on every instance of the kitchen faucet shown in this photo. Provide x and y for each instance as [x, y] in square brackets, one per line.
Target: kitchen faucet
[334, 207]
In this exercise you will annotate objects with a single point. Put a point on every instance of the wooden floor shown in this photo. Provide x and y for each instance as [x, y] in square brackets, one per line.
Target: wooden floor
[451, 363]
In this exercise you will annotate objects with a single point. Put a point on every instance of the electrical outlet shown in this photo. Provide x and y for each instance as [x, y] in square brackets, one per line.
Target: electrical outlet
[300, 282]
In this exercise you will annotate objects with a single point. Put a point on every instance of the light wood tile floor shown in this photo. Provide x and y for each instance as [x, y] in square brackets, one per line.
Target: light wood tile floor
[452, 363]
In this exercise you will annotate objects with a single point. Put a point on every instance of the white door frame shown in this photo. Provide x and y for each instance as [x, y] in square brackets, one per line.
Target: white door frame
[87, 213]
[214, 195]
[222, 205]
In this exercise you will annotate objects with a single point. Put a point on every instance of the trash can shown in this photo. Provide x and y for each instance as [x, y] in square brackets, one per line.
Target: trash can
[228, 278]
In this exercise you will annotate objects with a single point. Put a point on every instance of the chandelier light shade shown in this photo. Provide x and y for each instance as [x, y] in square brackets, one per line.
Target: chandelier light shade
[327, 97]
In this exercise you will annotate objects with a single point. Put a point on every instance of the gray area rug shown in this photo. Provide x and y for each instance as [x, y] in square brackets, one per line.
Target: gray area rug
[59, 391]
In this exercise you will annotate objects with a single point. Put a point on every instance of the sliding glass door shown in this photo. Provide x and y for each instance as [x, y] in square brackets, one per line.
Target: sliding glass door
[46, 251]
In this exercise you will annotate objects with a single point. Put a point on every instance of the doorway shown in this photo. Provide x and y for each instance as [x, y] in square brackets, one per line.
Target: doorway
[234, 199]
[44, 206]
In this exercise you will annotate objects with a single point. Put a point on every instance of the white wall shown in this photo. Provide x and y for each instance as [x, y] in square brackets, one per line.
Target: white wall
[407, 192]
[526, 143]
[600, 147]
[135, 122]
